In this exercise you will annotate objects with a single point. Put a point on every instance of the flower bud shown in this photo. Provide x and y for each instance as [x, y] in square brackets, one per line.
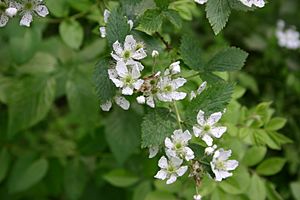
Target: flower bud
[175, 67]
[155, 53]
[11, 12]
[141, 100]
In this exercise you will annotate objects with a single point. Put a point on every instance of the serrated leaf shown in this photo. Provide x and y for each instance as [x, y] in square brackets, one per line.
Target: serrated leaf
[58, 8]
[270, 166]
[75, 178]
[238, 5]
[174, 18]
[229, 59]
[151, 21]
[157, 125]
[105, 89]
[30, 176]
[4, 163]
[117, 27]
[217, 12]
[71, 33]
[29, 102]
[122, 133]
[191, 52]
[213, 99]
[162, 4]
[254, 155]
[257, 189]
[120, 178]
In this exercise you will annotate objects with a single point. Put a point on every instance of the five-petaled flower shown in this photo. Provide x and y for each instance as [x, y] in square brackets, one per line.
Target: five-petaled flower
[206, 129]
[167, 89]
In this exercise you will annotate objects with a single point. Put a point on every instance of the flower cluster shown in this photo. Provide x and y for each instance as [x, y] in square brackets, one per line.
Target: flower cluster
[27, 9]
[288, 38]
[127, 76]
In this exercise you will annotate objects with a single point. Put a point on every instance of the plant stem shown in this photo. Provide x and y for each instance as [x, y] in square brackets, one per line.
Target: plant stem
[177, 115]
[192, 76]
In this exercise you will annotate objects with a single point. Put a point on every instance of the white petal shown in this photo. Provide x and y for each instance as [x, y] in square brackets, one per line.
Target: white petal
[106, 106]
[41, 10]
[197, 197]
[26, 19]
[247, 2]
[139, 54]
[207, 139]
[259, 3]
[200, 118]
[197, 131]
[161, 174]
[172, 179]
[164, 97]
[163, 162]
[122, 69]
[153, 151]
[117, 82]
[218, 131]
[171, 153]
[137, 85]
[214, 118]
[129, 43]
[116, 57]
[135, 73]
[176, 161]
[181, 170]
[186, 136]
[192, 95]
[201, 87]
[122, 102]
[175, 67]
[178, 95]
[3, 20]
[209, 150]
[168, 143]
[106, 15]
[222, 154]
[150, 102]
[141, 99]
[231, 164]
[130, 23]
[201, 1]
[222, 175]
[112, 73]
[189, 154]
[117, 48]
[127, 91]
[155, 53]
[177, 83]
[102, 30]
[11, 12]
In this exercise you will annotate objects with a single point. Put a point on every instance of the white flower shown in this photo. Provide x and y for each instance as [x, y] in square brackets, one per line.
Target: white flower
[220, 164]
[122, 102]
[30, 8]
[132, 50]
[141, 99]
[154, 53]
[170, 169]
[175, 67]
[106, 15]
[178, 146]
[11, 12]
[206, 129]
[153, 150]
[201, 1]
[102, 30]
[210, 150]
[167, 89]
[257, 3]
[106, 106]
[197, 197]
[288, 38]
[126, 77]
[4, 17]
[130, 23]
[200, 89]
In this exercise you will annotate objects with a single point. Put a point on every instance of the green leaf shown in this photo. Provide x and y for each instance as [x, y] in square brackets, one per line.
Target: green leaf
[157, 125]
[58, 8]
[30, 176]
[254, 155]
[238, 5]
[30, 102]
[71, 33]
[81, 98]
[270, 166]
[257, 189]
[122, 132]
[295, 187]
[105, 89]
[121, 178]
[276, 123]
[75, 179]
[272, 194]
[191, 52]
[151, 21]
[213, 99]
[229, 59]
[173, 17]
[217, 12]
[4, 163]
[5, 85]
[162, 4]
[80, 5]
[117, 27]
[141, 191]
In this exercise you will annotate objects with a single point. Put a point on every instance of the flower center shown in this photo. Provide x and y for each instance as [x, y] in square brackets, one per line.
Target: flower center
[128, 80]
[168, 88]
[178, 146]
[220, 165]
[171, 169]
[127, 54]
[206, 128]
[139, 46]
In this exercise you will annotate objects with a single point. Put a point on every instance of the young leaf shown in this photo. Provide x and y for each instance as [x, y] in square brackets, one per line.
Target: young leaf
[123, 133]
[217, 12]
[276, 123]
[254, 155]
[117, 27]
[71, 33]
[151, 21]
[120, 178]
[213, 99]
[105, 89]
[270, 166]
[191, 52]
[157, 125]
[30, 101]
[229, 59]
[257, 189]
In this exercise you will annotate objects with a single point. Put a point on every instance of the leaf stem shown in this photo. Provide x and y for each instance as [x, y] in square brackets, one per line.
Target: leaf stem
[192, 76]
[177, 115]
[168, 46]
